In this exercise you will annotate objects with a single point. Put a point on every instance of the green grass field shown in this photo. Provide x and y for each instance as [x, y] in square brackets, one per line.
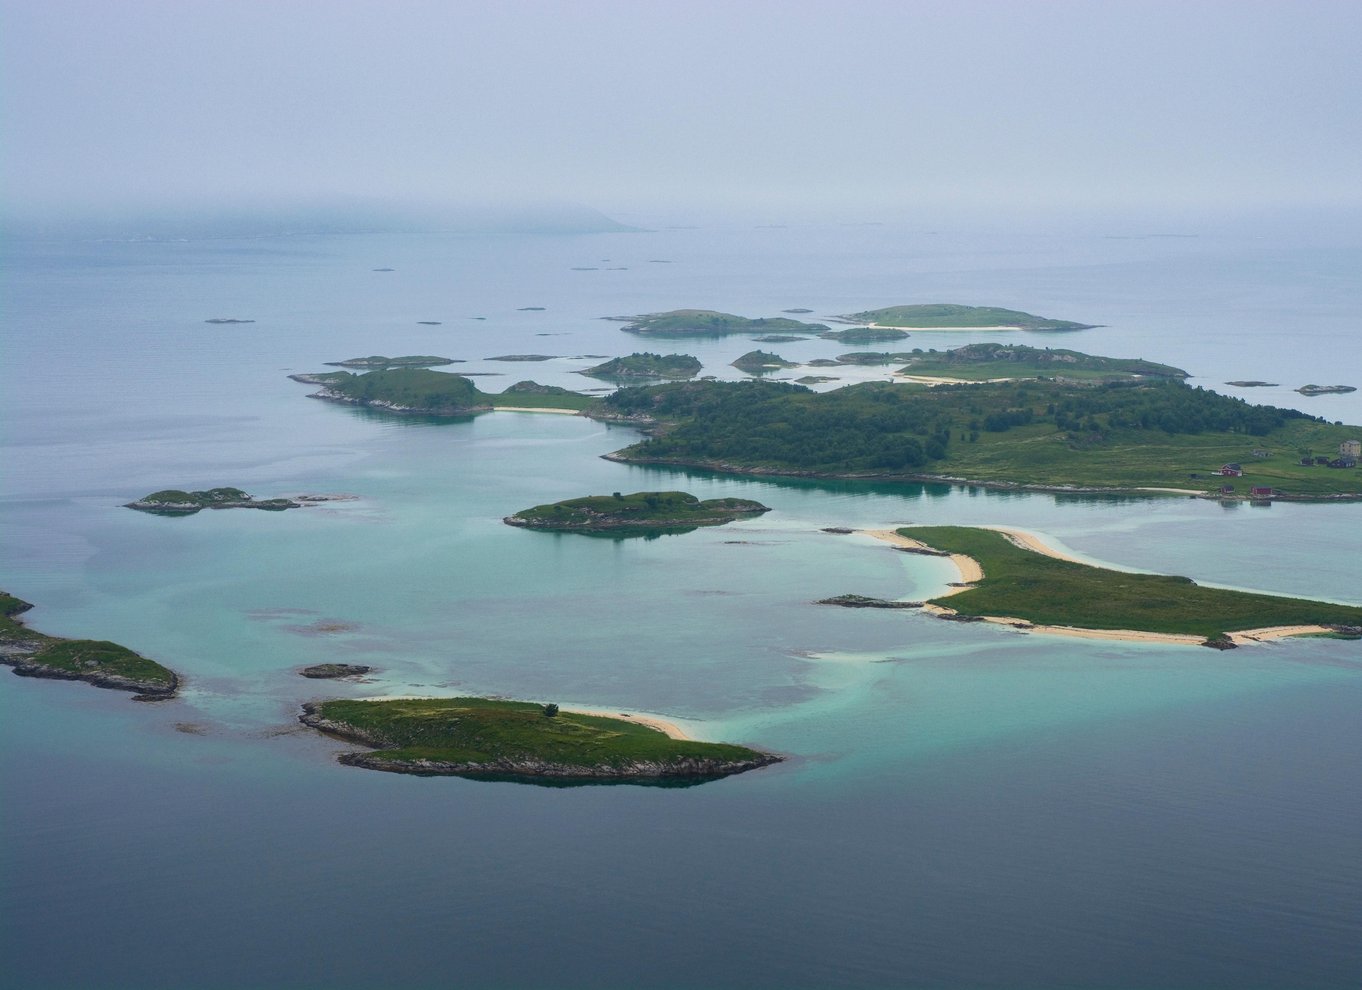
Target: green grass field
[1039, 455]
[953, 316]
[480, 730]
[1026, 585]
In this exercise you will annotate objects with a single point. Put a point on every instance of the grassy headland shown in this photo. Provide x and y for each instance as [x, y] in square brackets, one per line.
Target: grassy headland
[1123, 436]
[1022, 584]
[643, 512]
[482, 737]
[950, 316]
[98, 662]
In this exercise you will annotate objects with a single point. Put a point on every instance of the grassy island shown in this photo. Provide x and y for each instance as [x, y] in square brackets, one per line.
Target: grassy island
[379, 362]
[420, 391]
[865, 335]
[479, 737]
[762, 363]
[1021, 584]
[1145, 434]
[1326, 389]
[982, 362]
[647, 365]
[641, 512]
[708, 323]
[950, 316]
[174, 502]
[871, 358]
[97, 662]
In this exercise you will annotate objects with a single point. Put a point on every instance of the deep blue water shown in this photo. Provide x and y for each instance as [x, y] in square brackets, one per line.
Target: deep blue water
[962, 807]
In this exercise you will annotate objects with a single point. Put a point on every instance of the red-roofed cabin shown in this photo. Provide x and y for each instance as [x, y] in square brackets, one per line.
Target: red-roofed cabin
[1258, 491]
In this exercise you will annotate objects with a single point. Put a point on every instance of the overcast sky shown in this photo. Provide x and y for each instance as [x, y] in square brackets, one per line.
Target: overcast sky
[618, 103]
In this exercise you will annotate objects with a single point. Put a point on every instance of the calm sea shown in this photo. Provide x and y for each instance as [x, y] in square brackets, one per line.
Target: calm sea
[962, 807]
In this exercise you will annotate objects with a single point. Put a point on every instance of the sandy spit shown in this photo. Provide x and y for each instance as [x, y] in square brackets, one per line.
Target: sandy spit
[970, 571]
[969, 568]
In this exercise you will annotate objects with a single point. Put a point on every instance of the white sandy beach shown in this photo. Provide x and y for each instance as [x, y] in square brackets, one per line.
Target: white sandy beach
[668, 728]
[969, 568]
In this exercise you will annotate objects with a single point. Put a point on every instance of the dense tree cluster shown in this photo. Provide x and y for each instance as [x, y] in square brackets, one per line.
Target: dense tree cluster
[415, 388]
[890, 427]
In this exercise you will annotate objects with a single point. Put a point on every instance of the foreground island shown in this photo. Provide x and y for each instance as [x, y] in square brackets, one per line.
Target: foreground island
[644, 512]
[1008, 578]
[97, 662]
[480, 737]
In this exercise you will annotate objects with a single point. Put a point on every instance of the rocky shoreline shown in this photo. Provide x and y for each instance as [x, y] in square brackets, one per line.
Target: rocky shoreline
[637, 771]
[22, 650]
[386, 405]
[142, 690]
[722, 467]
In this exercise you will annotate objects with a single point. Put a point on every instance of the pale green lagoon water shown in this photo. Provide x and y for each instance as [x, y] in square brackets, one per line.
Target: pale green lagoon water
[962, 805]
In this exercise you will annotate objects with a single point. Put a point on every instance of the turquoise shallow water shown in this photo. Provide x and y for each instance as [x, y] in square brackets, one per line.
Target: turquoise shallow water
[963, 806]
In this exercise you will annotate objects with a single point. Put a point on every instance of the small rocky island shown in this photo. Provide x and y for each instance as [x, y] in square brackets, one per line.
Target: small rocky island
[518, 740]
[762, 363]
[174, 502]
[334, 671]
[1253, 384]
[1326, 389]
[865, 335]
[378, 362]
[97, 662]
[647, 365]
[641, 512]
[417, 391]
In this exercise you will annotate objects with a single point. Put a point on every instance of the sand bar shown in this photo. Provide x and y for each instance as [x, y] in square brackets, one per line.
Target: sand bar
[969, 568]
[1032, 542]
[1246, 636]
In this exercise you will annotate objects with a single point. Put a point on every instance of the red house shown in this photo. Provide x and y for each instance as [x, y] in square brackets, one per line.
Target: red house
[1232, 470]
[1258, 491]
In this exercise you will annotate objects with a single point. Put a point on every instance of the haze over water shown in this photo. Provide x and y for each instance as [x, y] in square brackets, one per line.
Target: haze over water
[962, 806]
